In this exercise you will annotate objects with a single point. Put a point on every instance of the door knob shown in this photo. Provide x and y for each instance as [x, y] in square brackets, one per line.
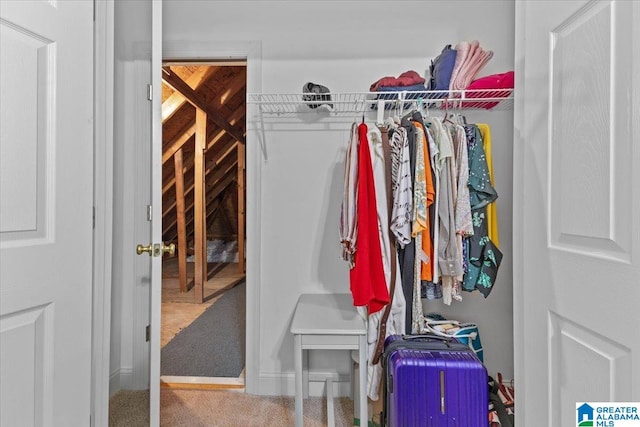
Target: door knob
[171, 249]
[140, 249]
[157, 249]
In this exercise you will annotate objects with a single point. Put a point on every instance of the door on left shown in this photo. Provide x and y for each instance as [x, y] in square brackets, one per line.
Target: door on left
[46, 180]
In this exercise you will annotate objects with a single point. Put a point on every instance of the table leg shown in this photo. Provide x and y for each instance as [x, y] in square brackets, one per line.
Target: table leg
[331, 416]
[305, 374]
[297, 357]
[362, 376]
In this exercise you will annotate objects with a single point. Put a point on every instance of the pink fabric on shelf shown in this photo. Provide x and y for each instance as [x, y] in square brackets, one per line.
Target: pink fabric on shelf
[463, 51]
[498, 83]
[494, 81]
[477, 63]
[474, 60]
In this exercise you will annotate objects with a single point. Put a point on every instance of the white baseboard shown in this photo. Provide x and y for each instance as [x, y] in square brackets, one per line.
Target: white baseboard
[283, 384]
[120, 379]
[270, 383]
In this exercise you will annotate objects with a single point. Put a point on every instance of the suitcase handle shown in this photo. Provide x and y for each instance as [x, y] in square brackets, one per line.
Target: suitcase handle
[427, 337]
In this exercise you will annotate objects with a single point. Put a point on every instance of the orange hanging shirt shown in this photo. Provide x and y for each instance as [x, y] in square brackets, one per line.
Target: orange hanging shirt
[426, 272]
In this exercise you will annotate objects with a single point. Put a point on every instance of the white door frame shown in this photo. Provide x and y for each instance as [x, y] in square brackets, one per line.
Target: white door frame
[103, 198]
[518, 212]
[103, 210]
[251, 51]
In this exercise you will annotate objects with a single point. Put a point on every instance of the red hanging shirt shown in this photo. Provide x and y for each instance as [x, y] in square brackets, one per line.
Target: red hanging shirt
[368, 283]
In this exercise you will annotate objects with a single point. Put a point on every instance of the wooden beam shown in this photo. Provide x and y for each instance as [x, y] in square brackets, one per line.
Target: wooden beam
[222, 161]
[180, 218]
[230, 225]
[212, 200]
[241, 199]
[224, 177]
[199, 207]
[230, 90]
[216, 136]
[189, 129]
[214, 208]
[177, 100]
[221, 185]
[179, 141]
[188, 221]
[197, 100]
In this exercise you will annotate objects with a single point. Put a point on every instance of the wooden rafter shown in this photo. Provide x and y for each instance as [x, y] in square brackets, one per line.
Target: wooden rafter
[173, 80]
[180, 219]
[221, 185]
[220, 173]
[213, 139]
[176, 144]
[220, 161]
[212, 199]
[231, 88]
[241, 217]
[200, 207]
[176, 100]
[188, 131]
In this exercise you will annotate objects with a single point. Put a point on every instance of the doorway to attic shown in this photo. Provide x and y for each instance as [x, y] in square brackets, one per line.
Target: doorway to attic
[203, 330]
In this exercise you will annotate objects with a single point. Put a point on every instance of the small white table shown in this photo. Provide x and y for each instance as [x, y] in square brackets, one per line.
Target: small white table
[328, 322]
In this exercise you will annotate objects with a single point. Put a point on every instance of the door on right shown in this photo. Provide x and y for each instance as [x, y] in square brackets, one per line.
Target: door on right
[576, 207]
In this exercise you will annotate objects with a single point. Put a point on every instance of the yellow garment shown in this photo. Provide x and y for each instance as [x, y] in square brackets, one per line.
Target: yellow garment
[492, 208]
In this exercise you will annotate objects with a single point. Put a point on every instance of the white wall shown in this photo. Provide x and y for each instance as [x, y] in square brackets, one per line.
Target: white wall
[346, 46]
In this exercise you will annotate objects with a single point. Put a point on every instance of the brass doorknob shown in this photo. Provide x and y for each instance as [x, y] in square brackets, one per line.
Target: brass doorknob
[171, 249]
[140, 249]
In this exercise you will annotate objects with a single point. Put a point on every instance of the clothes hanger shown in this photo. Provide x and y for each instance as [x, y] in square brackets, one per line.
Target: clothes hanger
[363, 107]
[420, 106]
[390, 123]
[396, 109]
[380, 113]
[446, 111]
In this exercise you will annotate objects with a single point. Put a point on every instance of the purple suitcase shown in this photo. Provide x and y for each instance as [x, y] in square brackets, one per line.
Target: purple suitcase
[432, 381]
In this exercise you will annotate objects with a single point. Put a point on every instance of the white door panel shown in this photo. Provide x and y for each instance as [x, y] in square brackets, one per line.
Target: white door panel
[156, 201]
[578, 225]
[139, 52]
[46, 146]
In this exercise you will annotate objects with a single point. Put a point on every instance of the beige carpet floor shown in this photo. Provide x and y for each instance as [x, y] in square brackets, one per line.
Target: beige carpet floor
[220, 408]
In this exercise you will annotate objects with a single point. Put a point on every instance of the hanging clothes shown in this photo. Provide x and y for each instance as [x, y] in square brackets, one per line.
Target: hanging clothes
[484, 257]
[368, 242]
[367, 279]
[492, 209]
[401, 218]
[462, 205]
[348, 211]
[424, 199]
[383, 202]
[406, 254]
[424, 196]
[402, 186]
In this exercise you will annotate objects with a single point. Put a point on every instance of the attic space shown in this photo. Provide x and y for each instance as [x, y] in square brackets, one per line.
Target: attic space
[203, 191]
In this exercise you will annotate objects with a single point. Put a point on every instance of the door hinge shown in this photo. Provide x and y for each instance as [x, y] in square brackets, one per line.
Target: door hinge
[147, 333]
[150, 92]
[149, 212]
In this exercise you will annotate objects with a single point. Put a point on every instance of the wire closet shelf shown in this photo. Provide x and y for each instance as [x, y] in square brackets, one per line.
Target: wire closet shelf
[344, 103]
